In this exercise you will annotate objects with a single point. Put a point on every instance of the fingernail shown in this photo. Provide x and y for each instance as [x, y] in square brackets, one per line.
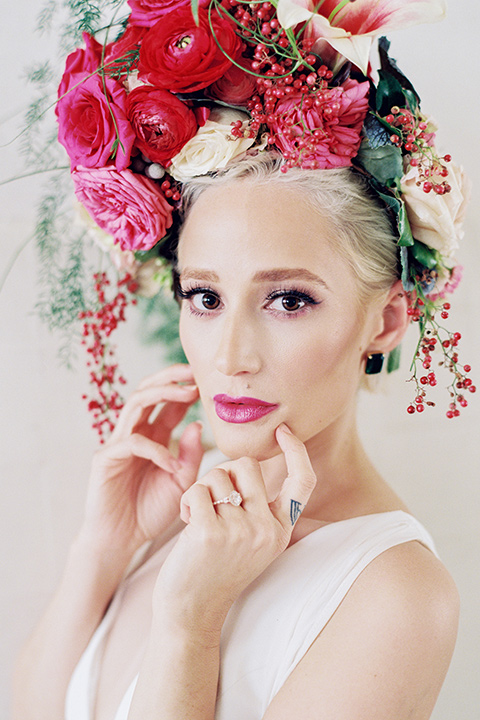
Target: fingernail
[189, 387]
[200, 425]
[285, 428]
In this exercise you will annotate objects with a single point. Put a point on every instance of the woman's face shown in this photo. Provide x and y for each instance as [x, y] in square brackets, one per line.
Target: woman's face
[270, 322]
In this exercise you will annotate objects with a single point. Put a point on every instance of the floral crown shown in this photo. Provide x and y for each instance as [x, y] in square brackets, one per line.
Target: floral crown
[187, 87]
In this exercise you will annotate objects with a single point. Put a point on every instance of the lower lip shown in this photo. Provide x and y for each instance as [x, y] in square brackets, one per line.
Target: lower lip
[237, 413]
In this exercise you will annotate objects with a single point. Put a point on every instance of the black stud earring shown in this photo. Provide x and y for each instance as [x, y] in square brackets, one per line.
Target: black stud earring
[374, 363]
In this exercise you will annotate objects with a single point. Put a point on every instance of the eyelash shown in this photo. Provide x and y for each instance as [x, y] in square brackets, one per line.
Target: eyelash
[290, 292]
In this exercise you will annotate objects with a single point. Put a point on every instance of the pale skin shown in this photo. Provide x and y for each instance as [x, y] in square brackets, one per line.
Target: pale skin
[386, 650]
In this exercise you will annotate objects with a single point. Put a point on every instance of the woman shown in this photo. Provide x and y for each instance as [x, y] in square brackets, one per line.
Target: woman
[317, 595]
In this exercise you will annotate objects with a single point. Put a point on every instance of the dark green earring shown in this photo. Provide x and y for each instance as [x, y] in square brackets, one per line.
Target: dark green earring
[374, 363]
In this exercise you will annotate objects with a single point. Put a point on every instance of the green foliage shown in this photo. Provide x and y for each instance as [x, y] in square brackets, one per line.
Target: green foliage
[393, 361]
[384, 162]
[160, 325]
[64, 274]
[46, 15]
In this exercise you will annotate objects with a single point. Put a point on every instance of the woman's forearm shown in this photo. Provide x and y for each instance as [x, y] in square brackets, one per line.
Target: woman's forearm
[179, 674]
[46, 662]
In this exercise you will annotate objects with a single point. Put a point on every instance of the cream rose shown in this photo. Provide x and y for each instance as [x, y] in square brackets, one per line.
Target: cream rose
[436, 220]
[212, 148]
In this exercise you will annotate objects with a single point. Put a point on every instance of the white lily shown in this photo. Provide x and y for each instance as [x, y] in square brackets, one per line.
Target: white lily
[350, 26]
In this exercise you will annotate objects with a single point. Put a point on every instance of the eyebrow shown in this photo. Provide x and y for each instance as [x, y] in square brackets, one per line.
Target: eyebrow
[275, 275]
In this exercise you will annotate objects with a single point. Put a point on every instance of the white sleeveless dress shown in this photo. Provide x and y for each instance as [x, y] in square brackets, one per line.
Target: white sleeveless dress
[275, 620]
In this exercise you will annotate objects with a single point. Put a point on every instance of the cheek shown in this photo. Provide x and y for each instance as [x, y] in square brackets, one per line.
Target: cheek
[320, 375]
[195, 343]
[186, 337]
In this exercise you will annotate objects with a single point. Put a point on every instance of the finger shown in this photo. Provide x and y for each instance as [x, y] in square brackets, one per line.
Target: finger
[160, 426]
[196, 505]
[190, 453]
[247, 478]
[220, 485]
[140, 446]
[140, 404]
[300, 480]
[181, 372]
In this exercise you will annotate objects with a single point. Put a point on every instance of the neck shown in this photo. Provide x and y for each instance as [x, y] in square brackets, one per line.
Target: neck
[348, 484]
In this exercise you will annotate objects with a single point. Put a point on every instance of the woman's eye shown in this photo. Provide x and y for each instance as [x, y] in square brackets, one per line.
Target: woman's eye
[290, 303]
[205, 301]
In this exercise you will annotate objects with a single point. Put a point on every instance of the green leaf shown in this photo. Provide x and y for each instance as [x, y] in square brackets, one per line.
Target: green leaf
[376, 131]
[424, 255]
[406, 238]
[389, 65]
[393, 362]
[194, 5]
[406, 279]
[389, 93]
[384, 162]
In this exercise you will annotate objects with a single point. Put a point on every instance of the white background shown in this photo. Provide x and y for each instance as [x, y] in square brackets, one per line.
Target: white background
[45, 439]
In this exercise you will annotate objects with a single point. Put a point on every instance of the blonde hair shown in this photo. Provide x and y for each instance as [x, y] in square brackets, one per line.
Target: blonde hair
[362, 232]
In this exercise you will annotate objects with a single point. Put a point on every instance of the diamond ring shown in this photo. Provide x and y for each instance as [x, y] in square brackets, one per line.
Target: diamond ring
[234, 499]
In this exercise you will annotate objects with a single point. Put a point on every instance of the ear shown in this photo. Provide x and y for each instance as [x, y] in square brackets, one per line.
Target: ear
[393, 321]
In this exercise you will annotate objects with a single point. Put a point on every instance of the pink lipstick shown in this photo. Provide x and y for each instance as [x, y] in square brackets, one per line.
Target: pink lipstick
[241, 409]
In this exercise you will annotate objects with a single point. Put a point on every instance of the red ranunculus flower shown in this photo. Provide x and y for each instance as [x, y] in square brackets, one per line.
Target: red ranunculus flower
[322, 134]
[81, 62]
[236, 87]
[162, 123]
[129, 207]
[119, 49]
[147, 12]
[180, 56]
[89, 120]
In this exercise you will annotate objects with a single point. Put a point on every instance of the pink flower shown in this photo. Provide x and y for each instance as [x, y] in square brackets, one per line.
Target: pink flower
[322, 132]
[89, 118]
[147, 12]
[447, 284]
[127, 206]
[80, 63]
[162, 122]
[350, 27]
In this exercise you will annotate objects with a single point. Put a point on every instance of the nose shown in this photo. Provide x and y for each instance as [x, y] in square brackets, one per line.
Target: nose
[238, 349]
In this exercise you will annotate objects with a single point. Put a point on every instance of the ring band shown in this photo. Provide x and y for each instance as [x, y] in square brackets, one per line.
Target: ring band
[233, 499]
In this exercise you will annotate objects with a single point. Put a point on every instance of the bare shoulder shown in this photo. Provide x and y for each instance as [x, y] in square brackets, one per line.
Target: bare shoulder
[412, 580]
[386, 650]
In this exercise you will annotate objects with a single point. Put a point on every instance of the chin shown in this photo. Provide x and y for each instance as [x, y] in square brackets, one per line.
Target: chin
[245, 440]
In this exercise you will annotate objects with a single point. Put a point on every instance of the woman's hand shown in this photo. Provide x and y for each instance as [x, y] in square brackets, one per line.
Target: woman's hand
[225, 547]
[136, 483]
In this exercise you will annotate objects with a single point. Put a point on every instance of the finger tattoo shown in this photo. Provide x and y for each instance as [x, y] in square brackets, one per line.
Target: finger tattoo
[295, 511]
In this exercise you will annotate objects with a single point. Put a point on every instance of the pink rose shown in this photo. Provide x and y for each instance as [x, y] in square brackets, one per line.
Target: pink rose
[162, 122]
[178, 55]
[89, 120]
[236, 87]
[147, 12]
[127, 206]
[80, 63]
[321, 132]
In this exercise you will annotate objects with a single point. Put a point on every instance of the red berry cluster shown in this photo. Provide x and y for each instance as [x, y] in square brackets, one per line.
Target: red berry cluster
[281, 72]
[105, 402]
[412, 136]
[171, 189]
[447, 342]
